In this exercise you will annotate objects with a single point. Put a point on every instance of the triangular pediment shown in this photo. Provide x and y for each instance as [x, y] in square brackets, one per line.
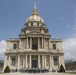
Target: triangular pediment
[35, 32]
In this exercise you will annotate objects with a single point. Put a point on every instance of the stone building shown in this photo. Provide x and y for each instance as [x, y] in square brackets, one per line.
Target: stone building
[34, 47]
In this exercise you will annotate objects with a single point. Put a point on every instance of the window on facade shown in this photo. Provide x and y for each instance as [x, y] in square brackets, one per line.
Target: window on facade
[38, 24]
[55, 60]
[13, 61]
[54, 46]
[14, 46]
[31, 24]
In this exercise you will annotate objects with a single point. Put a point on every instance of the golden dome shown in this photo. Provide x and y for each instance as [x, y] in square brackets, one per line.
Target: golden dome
[35, 16]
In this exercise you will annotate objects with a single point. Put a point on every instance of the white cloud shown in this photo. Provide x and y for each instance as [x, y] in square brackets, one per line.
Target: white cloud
[69, 56]
[69, 46]
[2, 48]
[62, 18]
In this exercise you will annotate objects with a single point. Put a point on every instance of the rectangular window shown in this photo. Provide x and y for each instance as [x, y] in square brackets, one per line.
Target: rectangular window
[55, 60]
[14, 46]
[13, 61]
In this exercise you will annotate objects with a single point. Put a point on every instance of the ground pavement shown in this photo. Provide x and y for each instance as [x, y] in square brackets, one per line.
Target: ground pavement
[49, 73]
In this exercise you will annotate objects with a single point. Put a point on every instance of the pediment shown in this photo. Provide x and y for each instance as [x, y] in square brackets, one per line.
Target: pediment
[35, 32]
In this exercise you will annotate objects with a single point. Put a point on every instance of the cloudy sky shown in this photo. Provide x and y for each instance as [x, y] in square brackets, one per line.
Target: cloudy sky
[59, 17]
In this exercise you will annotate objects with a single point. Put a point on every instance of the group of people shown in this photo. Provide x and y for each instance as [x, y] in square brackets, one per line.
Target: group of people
[31, 70]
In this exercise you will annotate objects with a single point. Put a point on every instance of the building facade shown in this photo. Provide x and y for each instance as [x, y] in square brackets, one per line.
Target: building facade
[34, 47]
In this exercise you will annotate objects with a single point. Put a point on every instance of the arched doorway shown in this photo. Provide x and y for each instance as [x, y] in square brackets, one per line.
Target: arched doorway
[34, 61]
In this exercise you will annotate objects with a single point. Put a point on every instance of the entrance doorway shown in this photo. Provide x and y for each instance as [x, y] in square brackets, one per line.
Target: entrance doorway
[34, 63]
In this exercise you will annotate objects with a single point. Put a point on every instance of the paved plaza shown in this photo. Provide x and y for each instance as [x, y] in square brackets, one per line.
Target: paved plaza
[49, 73]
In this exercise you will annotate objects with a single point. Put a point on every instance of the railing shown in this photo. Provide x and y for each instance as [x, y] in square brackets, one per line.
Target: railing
[56, 51]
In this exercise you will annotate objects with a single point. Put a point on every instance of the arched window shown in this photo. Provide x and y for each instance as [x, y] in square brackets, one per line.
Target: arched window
[54, 46]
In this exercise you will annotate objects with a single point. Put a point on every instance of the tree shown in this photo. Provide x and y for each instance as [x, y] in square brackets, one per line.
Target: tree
[62, 69]
[7, 69]
[70, 64]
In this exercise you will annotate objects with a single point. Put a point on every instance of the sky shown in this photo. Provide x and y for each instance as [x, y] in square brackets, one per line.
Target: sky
[59, 17]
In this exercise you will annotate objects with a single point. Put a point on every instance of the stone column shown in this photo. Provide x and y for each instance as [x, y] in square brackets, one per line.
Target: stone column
[30, 62]
[23, 61]
[38, 42]
[26, 61]
[50, 61]
[30, 43]
[38, 61]
[59, 61]
[18, 61]
[19, 43]
[5, 61]
[27, 42]
[45, 61]
[42, 61]
[42, 43]
[9, 61]
[49, 44]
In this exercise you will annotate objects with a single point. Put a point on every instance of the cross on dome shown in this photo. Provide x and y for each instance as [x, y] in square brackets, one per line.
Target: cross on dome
[35, 12]
[35, 5]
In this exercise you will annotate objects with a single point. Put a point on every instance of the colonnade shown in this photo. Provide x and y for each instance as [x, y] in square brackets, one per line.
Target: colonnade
[40, 42]
[41, 63]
